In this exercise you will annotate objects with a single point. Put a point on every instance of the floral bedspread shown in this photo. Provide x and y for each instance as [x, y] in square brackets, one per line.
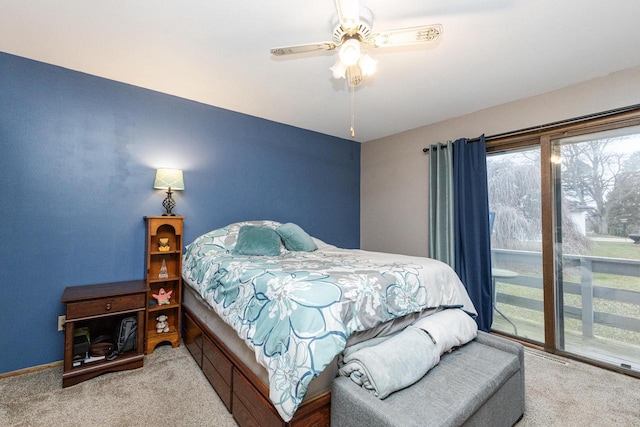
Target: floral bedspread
[297, 310]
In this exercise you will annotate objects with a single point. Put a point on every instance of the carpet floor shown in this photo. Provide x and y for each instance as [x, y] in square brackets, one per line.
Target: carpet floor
[170, 390]
[563, 392]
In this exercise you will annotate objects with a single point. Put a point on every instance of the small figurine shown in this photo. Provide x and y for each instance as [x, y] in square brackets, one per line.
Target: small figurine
[162, 296]
[163, 245]
[164, 274]
[162, 325]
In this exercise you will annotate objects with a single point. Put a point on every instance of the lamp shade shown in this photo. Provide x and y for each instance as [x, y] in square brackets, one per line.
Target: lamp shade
[367, 64]
[339, 70]
[350, 52]
[169, 178]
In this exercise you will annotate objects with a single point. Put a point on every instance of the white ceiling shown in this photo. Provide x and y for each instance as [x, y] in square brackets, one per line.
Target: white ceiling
[217, 52]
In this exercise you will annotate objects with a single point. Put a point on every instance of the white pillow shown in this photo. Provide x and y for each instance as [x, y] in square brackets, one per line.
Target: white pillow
[322, 245]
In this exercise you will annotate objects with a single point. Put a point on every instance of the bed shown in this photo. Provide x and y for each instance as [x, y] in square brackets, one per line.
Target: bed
[267, 318]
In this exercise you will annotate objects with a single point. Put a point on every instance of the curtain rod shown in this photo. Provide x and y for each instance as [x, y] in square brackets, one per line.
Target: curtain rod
[552, 125]
[469, 141]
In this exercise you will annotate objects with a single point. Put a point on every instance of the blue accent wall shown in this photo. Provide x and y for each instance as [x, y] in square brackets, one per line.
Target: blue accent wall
[78, 155]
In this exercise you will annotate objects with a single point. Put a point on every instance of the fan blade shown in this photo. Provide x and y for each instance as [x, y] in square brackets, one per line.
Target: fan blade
[406, 36]
[302, 48]
[349, 15]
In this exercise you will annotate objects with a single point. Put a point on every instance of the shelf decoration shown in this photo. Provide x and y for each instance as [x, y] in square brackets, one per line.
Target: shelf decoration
[163, 297]
[163, 244]
[161, 324]
[163, 271]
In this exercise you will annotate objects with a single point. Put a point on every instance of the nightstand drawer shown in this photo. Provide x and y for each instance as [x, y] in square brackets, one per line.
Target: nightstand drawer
[107, 305]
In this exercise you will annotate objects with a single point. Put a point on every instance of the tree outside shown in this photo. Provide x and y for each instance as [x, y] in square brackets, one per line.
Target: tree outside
[514, 195]
[600, 187]
[600, 174]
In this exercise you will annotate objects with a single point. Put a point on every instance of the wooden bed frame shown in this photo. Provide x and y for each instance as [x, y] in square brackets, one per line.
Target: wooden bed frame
[244, 395]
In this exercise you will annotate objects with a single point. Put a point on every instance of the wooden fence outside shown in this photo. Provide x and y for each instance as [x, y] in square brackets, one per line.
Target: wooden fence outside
[588, 265]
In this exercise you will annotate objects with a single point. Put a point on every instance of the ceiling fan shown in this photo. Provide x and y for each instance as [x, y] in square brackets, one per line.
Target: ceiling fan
[352, 34]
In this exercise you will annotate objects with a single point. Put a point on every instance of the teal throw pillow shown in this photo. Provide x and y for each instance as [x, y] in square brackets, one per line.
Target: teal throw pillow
[254, 240]
[295, 238]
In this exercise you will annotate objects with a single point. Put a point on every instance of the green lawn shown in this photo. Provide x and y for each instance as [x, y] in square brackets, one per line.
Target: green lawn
[620, 250]
[627, 250]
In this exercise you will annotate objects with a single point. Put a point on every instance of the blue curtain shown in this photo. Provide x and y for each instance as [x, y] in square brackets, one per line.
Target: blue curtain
[441, 218]
[471, 226]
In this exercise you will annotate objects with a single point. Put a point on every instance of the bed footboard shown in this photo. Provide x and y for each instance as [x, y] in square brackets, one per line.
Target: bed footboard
[244, 395]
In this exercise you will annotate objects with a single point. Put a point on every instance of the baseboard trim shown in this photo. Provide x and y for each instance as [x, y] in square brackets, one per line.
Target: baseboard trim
[31, 369]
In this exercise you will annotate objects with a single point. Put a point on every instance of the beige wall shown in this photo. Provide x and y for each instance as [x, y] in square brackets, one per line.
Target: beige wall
[394, 170]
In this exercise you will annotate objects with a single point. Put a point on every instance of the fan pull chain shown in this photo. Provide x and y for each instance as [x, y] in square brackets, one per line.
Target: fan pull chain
[353, 107]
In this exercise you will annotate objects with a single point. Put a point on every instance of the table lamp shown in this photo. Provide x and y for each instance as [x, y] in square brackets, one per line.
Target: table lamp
[169, 179]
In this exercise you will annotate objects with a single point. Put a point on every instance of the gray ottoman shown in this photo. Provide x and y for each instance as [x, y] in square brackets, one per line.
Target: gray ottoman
[479, 384]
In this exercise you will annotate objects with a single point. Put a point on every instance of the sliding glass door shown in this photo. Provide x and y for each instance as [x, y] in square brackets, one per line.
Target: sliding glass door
[564, 206]
[516, 242]
[596, 179]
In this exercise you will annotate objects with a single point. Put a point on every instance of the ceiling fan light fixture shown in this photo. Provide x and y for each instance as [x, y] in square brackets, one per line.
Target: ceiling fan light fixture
[339, 70]
[367, 65]
[352, 35]
[350, 52]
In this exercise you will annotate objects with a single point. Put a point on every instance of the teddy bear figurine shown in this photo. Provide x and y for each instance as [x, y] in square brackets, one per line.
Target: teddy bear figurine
[163, 244]
[162, 325]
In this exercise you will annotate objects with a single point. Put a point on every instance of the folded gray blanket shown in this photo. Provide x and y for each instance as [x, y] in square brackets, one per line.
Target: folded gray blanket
[392, 364]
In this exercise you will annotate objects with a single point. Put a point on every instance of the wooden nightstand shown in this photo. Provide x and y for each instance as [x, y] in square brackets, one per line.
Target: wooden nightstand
[99, 309]
[164, 247]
